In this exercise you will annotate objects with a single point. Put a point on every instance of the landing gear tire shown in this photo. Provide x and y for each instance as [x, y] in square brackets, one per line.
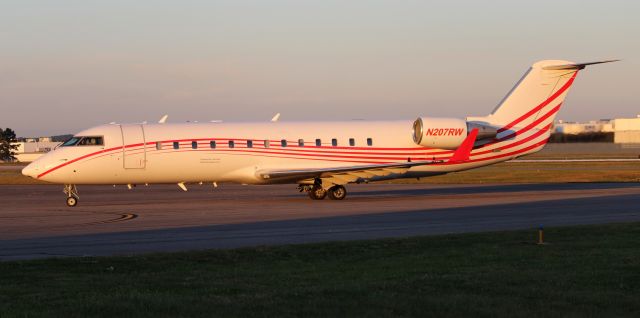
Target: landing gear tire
[72, 194]
[72, 201]
[337, 192]
[317, 193]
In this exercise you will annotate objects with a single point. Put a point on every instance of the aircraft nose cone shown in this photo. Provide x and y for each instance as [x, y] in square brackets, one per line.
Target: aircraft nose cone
[30, 170]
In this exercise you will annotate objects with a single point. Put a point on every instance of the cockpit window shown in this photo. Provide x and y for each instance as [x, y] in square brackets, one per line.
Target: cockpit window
[91, 141]
[84, 141]
[71, 142]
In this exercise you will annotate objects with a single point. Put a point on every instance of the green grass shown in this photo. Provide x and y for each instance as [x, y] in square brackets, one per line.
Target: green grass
[632, 153]
[16, 177]
[585, 271]
[514, 172]
[507, 172]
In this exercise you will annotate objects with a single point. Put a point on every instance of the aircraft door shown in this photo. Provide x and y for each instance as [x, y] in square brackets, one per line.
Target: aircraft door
[134, 152]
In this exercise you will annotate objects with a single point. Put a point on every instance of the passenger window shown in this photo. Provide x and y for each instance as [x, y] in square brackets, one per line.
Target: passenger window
[158, 145]
[232, 144]
[334, 142]
[266, 143]
[283, 142]
[352, 142]
[212, 144]
[91, 141]
[71, 142]
[369, 142]
[194, 145]
[318, 142]
[176, 145]
[249, 143]
[300, 142]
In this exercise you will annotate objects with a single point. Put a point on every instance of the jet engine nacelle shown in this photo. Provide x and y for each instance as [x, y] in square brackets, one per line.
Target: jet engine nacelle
[448, 133]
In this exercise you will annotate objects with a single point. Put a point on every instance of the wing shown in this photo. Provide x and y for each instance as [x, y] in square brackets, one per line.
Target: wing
[341, 175]
[344, 175]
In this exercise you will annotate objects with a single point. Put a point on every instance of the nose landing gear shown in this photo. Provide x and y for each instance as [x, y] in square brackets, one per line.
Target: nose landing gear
[72, 201]
[72, 194]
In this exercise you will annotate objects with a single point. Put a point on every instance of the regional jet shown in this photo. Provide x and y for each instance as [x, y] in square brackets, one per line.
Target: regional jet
[320, 157]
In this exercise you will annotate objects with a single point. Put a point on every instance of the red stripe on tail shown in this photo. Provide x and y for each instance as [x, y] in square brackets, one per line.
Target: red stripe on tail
[542, 105]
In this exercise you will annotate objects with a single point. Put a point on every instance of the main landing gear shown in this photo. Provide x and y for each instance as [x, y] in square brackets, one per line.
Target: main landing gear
[72, 194]
[317, 192]
[337, 192]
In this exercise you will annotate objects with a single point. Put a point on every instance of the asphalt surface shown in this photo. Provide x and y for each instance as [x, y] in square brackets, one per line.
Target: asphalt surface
[36, 223]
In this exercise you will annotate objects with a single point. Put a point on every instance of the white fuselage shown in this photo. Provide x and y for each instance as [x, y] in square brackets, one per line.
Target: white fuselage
[256, 153]
[146, 153]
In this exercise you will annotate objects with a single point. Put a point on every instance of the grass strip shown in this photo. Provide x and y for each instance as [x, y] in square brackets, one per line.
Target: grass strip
[508, 172]
[584, 271]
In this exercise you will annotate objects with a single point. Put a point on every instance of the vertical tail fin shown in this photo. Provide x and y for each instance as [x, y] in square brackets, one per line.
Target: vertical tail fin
[524, 116]
[539, 93]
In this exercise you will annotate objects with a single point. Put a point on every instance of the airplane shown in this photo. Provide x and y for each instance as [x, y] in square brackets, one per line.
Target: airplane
[320, 157]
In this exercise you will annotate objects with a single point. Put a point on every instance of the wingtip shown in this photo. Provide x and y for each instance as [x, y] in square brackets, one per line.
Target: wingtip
[576, 66]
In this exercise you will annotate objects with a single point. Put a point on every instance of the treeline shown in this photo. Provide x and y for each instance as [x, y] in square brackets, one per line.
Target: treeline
[583, 137]
[8, 145]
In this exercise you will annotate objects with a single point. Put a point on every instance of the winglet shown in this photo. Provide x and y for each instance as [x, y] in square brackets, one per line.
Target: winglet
[462, 153]
[575, 66]
[163, 119]
[275, 118]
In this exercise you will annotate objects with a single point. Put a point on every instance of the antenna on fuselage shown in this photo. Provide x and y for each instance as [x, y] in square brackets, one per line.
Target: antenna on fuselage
[275, 118]
[163, 119]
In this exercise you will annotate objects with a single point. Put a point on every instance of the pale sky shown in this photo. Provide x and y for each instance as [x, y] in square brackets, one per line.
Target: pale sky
[69, 65]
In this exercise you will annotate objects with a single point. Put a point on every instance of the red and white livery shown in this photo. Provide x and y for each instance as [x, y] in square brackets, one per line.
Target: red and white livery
[320, 157]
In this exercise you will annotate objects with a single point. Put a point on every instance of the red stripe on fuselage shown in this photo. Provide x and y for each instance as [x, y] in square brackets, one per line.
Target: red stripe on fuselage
[311, 151]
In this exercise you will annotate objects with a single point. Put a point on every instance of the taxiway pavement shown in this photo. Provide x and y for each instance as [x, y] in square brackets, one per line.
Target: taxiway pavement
[36, 223]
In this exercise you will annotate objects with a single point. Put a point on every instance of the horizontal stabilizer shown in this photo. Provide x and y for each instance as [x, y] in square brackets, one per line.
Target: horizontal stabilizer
[574, 66]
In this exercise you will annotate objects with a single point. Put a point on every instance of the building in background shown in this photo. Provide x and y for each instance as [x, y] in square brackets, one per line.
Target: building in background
[32, 148]
[574, 128]
[625, 130]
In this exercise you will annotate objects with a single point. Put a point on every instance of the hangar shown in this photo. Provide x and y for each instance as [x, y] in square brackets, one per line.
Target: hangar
[625, 130]
[32, 148]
